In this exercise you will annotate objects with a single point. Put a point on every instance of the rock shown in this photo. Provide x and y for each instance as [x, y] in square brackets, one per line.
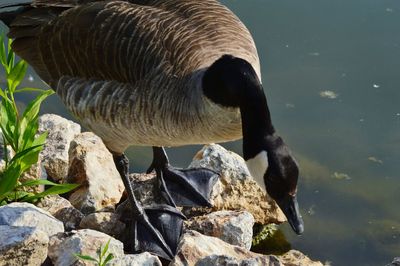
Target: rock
[142, 259]
[22, 245]
[197, 249]
[54, 155]
[33, 173]
[145, 188]
[63, 210]
[92, 165]
[238, 189]
[26, 214]
[296, 258]
[63, 246]
[234, 227]
[395, 262]
[106, 222]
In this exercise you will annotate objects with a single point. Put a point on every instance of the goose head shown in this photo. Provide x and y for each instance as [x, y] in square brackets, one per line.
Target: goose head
[232, 82]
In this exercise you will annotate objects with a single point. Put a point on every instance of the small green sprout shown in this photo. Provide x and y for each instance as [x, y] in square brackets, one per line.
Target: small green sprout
[103, 258]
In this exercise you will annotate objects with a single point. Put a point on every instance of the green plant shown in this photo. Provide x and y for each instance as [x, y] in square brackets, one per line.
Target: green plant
[264, 232]
[19, 132]
[101, 254]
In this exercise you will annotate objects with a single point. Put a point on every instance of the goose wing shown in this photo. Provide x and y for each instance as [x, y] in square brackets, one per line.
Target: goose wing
[127, 41]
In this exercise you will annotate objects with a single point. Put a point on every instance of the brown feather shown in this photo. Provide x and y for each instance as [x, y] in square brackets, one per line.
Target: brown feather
[155, 49]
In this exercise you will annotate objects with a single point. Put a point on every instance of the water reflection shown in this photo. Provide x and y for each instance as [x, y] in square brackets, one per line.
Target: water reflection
[350, 52]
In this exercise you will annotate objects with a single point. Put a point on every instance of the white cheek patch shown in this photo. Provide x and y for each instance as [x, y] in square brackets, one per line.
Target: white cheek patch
[258, 167]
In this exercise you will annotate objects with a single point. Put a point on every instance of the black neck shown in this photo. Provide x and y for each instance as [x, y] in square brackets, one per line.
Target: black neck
[257, 126]
[232, 82]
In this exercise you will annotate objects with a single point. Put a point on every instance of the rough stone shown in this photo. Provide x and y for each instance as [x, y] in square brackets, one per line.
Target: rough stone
[106, 222]
[33, 173]
[92, 165]
[234, 227]
[26, 214]
[239, 191]
[63, 210]
[142, 259]
[395, 262]
[21, 245]
[63, 246]
[54, 155]
[296, 258]
[197, 249]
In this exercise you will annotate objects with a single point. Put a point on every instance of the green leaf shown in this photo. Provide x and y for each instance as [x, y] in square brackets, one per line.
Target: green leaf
[54, 190]
[109, 257]
[37, 182]
[11, 55]
[9, 178]
[40, 140]
[32, 110]
[85, 257]
[103, 253]
[4, 95]
[26, 153]
[3, 56]
[16, 75]
[29, 90]
[29, 122]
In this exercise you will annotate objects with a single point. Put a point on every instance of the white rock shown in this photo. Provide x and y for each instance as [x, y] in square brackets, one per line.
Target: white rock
[197, 249]
[22, 245]
[239, 191]
[142, 259]
[54, 155]
[92, 165]
[26, 214]
[234, 227]
[63, 246]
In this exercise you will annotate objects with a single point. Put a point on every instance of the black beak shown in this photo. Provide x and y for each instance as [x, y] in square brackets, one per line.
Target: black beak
[290, 208]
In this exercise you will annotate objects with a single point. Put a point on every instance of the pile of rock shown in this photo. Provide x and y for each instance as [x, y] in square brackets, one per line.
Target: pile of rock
[56, 229]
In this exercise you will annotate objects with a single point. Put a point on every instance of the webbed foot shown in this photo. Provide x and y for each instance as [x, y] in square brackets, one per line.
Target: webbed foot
[156, 229]
[183, 187]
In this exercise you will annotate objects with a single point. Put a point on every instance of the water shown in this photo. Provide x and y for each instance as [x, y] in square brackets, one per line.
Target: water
[331, 73]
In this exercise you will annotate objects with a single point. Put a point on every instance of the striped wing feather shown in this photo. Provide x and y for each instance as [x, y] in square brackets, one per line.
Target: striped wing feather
[126, 42]
[124, 66]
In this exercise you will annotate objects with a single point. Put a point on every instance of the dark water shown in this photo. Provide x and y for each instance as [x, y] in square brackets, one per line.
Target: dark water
[331, 71]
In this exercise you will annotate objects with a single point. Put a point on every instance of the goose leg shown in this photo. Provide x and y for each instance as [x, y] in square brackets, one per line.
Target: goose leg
[182, 187]
[156, 229]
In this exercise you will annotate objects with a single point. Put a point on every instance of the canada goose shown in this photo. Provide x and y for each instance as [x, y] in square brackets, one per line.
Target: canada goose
[159, 73]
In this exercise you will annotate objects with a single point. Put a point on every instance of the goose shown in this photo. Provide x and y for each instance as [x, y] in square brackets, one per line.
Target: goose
[159, 73]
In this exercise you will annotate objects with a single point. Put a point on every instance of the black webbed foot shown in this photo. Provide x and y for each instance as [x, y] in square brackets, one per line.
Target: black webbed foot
[168, 221]
[155, 229]
[183, 187]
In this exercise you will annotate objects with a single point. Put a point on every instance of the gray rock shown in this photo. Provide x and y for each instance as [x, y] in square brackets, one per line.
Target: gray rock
[54, 155]
[142, 259]
[21, 245]
[226, 260]
[63, 210]
[238, 190]
[197, 249]
[395, 262]
[234, 227]
[296, 258]
[63, 246]
[92, 165]
[106, 222]
[26, 214]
